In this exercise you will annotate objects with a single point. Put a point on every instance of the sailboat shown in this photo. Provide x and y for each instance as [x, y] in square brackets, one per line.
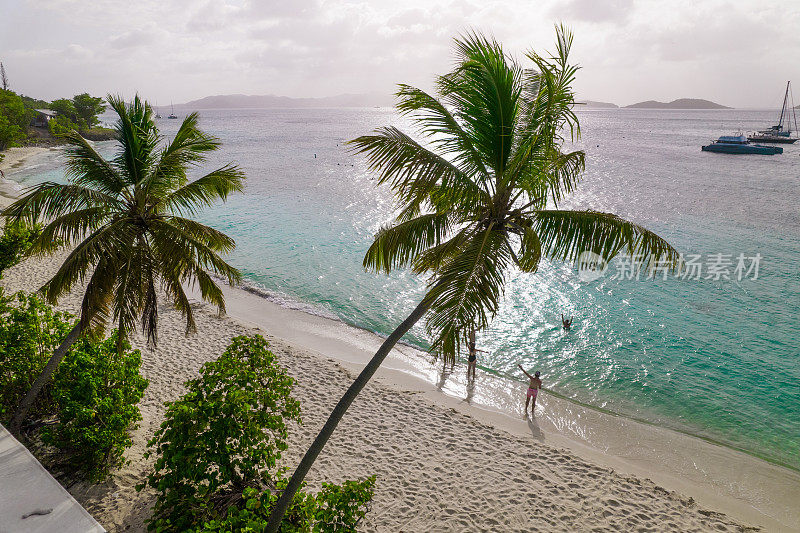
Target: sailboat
[158, 114]
[172, 114]
[782, 132]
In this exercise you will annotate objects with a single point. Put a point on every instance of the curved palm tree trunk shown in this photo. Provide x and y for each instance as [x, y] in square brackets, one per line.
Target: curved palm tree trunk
[44, 377]
[338, 412]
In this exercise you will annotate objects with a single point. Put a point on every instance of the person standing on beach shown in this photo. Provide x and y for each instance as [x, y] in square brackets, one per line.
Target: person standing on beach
[472, 361]
[533, 389]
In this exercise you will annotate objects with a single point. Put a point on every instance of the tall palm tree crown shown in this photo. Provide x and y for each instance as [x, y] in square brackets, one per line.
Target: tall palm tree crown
[483, 193]
[129, 223]
[127, 220]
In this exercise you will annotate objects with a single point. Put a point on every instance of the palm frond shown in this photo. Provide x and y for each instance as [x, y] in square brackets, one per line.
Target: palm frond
[104, 243]
[485, 91]
[443, 130]
[49, 199]
[171, 282]
[209, 290]
[87, 168]
[548, 96]
[96, 305]
[432, 259]
[396, 246]
[213, 238]
[203, 192]
[188, 148]
[138, 139]
[67, 229]
[188, 253]
[553, 173]
[466, 291]
[129, 293]
[566, 234]
[530, 251]
[414, 172]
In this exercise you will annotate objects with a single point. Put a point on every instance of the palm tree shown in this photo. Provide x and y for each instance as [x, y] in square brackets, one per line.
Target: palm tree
[481, 197]
[129, 221]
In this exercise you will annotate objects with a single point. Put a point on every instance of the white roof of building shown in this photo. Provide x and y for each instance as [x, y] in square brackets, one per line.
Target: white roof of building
[31, 501]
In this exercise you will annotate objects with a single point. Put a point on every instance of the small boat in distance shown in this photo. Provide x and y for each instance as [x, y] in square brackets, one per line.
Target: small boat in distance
[780, 133]
[738, 144]
[172, 114]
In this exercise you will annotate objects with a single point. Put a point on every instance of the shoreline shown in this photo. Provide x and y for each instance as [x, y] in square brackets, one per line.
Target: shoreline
[17, 158]
[285, 302]
[744, 487]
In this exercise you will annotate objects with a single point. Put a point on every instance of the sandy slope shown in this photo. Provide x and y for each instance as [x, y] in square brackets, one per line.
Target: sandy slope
[438, 469]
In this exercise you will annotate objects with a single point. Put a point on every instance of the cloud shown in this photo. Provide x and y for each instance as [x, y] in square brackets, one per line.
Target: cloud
[594, 11]
[131, 39]
[179, 50]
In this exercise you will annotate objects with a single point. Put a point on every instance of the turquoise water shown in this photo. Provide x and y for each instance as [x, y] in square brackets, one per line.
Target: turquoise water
[717, 359]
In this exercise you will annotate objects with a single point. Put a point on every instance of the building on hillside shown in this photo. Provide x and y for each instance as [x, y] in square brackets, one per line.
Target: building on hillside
[42, 117]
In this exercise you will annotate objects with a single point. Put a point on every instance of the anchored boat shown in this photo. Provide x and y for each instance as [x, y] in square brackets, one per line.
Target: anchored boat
[780, 133]
[738, 144]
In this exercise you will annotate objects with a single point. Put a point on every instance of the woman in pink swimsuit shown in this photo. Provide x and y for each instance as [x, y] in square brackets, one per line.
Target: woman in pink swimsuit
[533, 389]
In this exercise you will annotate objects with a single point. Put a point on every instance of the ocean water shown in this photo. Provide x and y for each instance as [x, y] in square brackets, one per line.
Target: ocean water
[715, 358]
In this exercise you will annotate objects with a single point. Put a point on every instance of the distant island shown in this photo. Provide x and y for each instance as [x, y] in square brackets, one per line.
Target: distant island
[244, 101]
[266, 101]
[592, 103]
[680, 103]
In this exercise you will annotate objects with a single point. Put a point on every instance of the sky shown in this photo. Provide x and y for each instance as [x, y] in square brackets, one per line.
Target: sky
[738, 53]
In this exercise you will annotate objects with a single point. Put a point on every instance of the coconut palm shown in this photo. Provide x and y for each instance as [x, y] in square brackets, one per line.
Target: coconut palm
[129, 223]
[479, 197]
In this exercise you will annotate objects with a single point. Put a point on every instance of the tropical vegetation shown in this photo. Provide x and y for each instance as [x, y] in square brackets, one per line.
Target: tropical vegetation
[79, 113]
[129, 228]
[29, 331]
[84, 415]
[479, 194]
[14, 119]
[96, 390]
[218, 448]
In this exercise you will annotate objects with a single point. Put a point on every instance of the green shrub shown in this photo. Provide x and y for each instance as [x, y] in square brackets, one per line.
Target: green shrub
[337, 508]
[61, 124]
[223, 435]
[29, 333]
[218, 449]
[90, 403]
[341, 507]
[97, 392]
[16, 238]
[13, 119]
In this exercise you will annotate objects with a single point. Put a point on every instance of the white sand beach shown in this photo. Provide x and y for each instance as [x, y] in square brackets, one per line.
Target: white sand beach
[449, 458]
